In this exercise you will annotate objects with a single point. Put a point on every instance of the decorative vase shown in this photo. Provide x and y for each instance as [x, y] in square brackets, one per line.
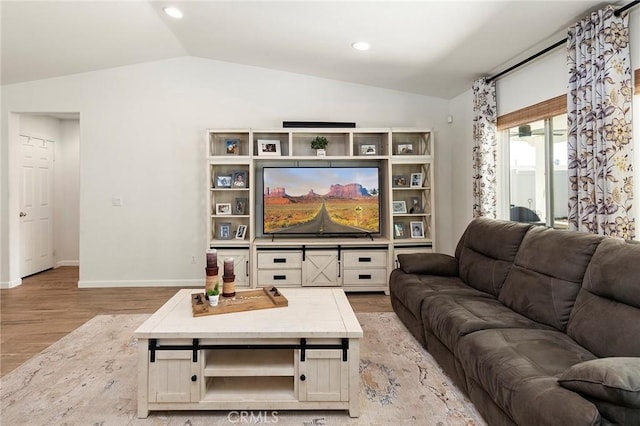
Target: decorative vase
[213, 300]
[321, 153]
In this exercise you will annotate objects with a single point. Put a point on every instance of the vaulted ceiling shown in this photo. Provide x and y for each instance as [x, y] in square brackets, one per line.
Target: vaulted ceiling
[434, 48]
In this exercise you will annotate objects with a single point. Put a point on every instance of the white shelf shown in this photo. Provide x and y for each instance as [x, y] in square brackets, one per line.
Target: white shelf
[259, 362]
[223, 389]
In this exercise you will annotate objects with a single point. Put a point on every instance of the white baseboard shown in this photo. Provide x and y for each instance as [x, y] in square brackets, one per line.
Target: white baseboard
[11, 284]
[141, 283]
[67, 263]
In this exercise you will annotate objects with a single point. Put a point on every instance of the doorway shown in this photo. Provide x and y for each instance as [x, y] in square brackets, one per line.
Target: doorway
[45, 177]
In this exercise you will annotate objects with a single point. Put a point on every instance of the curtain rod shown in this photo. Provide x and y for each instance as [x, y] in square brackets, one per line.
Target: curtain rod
[553, 46]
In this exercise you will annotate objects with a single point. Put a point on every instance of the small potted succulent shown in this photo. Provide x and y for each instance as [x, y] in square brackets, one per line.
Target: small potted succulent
[319, 143]
[214, 295]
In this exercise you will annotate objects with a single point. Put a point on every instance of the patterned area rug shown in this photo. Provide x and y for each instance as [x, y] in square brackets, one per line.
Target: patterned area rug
[89, 377]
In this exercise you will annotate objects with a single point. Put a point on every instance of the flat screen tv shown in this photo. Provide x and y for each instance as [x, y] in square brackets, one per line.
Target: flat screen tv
[321, 200]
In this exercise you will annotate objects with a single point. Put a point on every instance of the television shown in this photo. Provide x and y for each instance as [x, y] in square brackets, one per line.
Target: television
[321, 200]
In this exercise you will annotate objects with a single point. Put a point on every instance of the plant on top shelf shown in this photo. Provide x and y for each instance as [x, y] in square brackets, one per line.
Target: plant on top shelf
[319, 142]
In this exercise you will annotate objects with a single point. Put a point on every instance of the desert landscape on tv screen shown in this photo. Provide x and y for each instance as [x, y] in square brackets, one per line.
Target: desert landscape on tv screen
[337, 200]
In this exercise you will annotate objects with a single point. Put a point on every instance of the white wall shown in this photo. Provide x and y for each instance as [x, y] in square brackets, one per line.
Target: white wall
[542, 79]
[67, 195]
[143, 139]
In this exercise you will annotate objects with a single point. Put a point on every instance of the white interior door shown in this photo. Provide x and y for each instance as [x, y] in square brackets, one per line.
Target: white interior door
[36, 212]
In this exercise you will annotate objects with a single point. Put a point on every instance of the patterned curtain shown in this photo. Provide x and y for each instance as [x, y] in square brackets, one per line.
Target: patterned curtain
[485, 117]
[599, 119]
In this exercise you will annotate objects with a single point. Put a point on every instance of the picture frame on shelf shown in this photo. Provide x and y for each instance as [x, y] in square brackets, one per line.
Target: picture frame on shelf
[399, 231]
[239, 179]
[368, 149]
[416, 180]
[224, 231]
[414, 205]
[223, 181]
[404, 148]
[417, 229]
[400, 181]
[399, 207]
[241, 232]
[232, 146]
[240, 206]
[223, 208]
[268, 147]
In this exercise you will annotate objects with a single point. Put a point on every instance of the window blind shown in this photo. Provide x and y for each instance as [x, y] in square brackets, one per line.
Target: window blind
[545, 109]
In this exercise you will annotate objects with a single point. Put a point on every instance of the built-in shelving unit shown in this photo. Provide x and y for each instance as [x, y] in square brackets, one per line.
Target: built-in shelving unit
[404, 158]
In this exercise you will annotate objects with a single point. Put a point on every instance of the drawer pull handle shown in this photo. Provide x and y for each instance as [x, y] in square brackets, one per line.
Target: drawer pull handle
[194, 378]
[280, 260]
[303, 377]
[364, 259]
[279, 277]
[364, 276]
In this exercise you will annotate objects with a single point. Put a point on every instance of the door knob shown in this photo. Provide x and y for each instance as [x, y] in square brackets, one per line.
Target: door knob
[22, 214]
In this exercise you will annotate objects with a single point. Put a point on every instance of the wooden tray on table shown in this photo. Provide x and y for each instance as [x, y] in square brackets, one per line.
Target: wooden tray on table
[247, 300]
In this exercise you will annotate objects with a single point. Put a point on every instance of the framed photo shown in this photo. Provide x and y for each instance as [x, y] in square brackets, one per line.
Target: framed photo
[268, 147]
[241, 232]
[417, 230]
[223, 181]
[414, 205]
[400, 181]
[224, 231]
[368, 149]
[240, 205]
[404, 148]
[399, 207]
[416, 180]
[399, 231]
[223, 208]
[232, 146]
[239, 180]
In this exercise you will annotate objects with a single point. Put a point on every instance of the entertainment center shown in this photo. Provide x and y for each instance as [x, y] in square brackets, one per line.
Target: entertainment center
[294, 217]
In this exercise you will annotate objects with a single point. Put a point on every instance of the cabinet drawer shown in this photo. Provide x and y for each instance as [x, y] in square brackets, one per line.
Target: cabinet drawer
[365, 259]
[279, 278]
[280, 260]
[365, 276]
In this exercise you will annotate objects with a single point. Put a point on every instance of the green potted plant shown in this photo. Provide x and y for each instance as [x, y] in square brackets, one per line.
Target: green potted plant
[319, 143]
[214, 295]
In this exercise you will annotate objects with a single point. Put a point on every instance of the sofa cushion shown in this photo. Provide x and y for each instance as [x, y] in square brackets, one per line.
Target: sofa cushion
[411, 289]
[547, 274]
[429, 263]
[487, 253]
[606, 316]
[451, 316]
[615, 380]
[519, 368]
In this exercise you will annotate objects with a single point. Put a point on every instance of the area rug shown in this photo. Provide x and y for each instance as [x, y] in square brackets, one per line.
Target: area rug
[89, 377]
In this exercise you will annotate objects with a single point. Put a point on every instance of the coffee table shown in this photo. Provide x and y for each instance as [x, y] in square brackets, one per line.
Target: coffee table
[301, 357]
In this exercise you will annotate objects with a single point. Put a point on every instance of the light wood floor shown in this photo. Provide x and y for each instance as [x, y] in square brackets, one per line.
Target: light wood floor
[49, 305]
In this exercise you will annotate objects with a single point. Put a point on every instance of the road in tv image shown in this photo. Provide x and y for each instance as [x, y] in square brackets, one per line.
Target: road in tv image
[340, 207]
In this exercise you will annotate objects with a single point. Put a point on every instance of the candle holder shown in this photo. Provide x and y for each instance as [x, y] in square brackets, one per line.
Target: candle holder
[229, 286]
[211, 280]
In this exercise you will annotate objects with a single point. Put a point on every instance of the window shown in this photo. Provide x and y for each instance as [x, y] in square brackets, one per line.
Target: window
[537, 179]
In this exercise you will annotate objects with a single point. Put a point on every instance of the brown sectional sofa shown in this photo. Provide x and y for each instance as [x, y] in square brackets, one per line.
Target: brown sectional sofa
[537, 326]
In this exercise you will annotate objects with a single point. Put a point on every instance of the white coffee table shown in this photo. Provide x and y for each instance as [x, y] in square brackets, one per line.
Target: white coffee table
[301, 357]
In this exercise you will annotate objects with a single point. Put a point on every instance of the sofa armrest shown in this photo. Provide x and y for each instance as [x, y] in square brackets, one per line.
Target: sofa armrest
[429, 264]
[615, 380]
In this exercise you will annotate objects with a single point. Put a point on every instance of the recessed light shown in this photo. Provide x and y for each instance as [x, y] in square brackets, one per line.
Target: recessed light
[361, 45]
[174, 12]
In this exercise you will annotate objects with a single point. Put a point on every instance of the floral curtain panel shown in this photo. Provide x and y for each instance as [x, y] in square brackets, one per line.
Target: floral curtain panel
[485, 118]
[599, 118]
